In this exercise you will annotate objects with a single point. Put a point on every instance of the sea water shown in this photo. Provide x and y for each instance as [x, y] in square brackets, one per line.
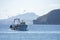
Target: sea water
[35, 32]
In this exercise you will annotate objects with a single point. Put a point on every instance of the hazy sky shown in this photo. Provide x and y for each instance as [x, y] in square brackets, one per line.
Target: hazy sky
[15, 7]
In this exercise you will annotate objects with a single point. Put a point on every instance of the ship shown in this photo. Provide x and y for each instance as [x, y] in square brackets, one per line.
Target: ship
[19, 25]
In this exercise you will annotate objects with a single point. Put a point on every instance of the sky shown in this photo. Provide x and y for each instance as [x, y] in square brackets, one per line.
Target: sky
[10, 8]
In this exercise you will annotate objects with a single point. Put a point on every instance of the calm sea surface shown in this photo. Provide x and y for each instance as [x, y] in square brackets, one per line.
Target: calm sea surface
[35, 32]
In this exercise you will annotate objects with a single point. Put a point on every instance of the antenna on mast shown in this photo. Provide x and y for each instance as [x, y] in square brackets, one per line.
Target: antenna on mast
[24, 11]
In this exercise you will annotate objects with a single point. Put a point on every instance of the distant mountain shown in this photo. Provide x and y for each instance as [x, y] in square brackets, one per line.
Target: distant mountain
[53, 17]
[27, 17]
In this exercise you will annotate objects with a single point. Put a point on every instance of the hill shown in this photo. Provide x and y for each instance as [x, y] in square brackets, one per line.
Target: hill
[27, 17]
[53, 17]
